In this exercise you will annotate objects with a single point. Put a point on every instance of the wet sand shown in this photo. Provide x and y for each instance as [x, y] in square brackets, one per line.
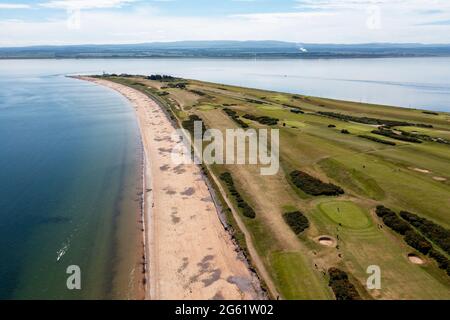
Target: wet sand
[189, 254]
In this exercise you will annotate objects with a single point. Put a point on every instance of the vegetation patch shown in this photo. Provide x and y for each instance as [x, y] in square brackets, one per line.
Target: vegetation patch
[262, 119]
[393, 135]
[245, 208]
[372, 121]
[314, 186]
[297, 221]
[411, 237]
[431, 230]
[342, 287]
[235, 117]
[375, 139]
[190, 123]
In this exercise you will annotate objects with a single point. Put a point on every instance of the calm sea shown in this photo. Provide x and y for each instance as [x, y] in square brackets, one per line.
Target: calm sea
[70, 156]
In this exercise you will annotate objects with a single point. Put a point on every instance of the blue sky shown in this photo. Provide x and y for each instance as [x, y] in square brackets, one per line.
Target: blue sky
[27, 22]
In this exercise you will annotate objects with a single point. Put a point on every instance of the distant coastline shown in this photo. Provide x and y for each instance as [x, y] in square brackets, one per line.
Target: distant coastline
[228, 50]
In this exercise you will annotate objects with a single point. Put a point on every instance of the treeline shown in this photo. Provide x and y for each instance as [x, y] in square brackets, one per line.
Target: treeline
[372, 121]
[375, 139]
[262, 119]
[297, 221]
[190, 123]
[413, 238]
[234, 116]
[254, 101]
[342, 287]
[159, 77]
[393, 135]
[314, 186]
[433, 231]
[247, 211]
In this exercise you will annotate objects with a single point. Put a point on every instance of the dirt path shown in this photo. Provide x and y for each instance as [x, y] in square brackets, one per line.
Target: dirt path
[190, 254]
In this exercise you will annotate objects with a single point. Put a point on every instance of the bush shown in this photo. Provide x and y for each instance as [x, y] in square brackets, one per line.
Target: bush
[441, 260]
[263, 119]
[418, 242]
[431, 230]
[372, 121]
[245, 208]
[345, 131]
[375, 139]
[190, 122]
[393, 135]
[342, 287]
[331, 126]
[314, 186]
[297, 111]
[297, 221]
[391, 219]
[234, 116]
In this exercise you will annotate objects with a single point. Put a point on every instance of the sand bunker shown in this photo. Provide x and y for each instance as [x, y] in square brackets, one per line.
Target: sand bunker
[415, 259]
[326, 241]
[439, 178]
[420, 170]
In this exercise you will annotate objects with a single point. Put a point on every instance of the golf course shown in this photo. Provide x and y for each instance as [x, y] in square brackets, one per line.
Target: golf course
[312, 230]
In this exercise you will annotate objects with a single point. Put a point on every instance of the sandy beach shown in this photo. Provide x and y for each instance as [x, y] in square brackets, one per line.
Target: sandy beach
[189, 253]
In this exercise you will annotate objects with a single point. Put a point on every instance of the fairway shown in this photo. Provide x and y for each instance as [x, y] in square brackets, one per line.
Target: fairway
[345, 213]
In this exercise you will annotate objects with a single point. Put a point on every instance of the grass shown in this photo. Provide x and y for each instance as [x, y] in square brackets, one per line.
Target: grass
[370, 173]
[346, 214]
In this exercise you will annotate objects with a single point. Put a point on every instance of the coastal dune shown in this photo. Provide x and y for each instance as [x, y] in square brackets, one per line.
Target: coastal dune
[189, 254]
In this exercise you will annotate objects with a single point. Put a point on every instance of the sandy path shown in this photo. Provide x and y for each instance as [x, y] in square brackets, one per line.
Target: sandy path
[190, 254]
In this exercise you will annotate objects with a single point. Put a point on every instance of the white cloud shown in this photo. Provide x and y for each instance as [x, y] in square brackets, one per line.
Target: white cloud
[14, 6]
[85, 4]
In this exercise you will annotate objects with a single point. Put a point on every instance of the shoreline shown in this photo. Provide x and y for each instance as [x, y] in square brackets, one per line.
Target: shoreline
[211, 267]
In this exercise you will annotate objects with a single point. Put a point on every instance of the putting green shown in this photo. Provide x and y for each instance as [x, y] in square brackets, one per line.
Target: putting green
[345, 213]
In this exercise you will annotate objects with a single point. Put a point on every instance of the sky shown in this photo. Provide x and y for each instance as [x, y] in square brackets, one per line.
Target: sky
[61, 22]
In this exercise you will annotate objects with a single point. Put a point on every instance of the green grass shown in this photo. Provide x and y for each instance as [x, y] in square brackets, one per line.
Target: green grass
[294, 277]
[346, 214]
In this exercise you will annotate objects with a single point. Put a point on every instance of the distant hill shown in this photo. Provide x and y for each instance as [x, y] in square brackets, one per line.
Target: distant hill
[228, 49]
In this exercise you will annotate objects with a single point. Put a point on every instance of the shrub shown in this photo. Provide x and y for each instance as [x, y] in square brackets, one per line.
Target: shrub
[331, 126]
[262, 119]
[342, 287]
[392, 220]
[190, 123]
[375, 139]
[297, 111]
[418, 242]
[441, 260]
[393, 135]
[373, 121]
[245, 208]
[345, 131]
[234, 116]
[297, 221]
[433, 231]
[314, 186]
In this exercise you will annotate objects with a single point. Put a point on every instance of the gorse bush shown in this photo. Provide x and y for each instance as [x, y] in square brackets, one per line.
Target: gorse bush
[393, 135]
[262, 119]
[418, 242]
[431, 230]
[392, 220]
[314, 186]
[235, 117]
[245, 208]
[373, 121]
[342, 287]
[189, 124]
[297, 221]
[375, 139]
